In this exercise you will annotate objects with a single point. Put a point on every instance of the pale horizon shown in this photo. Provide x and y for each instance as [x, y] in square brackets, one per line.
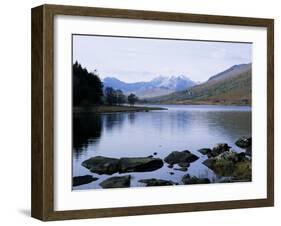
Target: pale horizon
[138, 59]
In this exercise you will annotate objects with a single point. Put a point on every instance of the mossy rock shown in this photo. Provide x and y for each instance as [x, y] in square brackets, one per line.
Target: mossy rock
[244, 142]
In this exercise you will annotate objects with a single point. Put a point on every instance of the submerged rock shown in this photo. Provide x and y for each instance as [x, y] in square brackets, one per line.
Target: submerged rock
[230, 163]
[116, 182]
[244, 142]
[187, 179]
[139, 164]
[218, 149]
[156, 182]
[205, 151]
[79, 180]
[180, 157]
[102, 165]
[181, 169]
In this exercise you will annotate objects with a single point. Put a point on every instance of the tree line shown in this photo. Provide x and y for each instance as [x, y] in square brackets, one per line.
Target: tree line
[88, 90]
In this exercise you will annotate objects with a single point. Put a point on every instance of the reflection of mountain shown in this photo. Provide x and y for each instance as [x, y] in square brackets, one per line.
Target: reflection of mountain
[232, 86]
[156, 87]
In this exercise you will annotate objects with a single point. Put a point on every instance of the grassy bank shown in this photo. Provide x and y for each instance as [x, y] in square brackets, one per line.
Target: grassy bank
[109, 109]
[208, 102]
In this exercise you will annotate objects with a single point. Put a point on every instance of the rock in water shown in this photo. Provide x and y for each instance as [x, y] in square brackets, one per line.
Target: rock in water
[156, 182]
[218, 149]
[76, 181]
[102, 165]
[187, 179]
[244, 142]
[139, 164]
[232, 164]
[180, 157]
[181, 169]
[116, 182]
[205, 151]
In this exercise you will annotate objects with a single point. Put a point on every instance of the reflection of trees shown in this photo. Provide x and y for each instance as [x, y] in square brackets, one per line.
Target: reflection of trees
[86, 128]
[132, 117]
[113, 120]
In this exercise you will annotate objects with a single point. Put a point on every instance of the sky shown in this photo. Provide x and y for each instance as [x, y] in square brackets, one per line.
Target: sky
[139, 59]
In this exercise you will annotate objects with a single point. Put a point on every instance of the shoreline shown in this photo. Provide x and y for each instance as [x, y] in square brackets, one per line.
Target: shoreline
[112, 109]
[201, 103]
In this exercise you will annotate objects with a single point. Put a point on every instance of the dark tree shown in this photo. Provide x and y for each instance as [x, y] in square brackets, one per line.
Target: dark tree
[110, 96]
[120, 97]
[87, 86]
[132, 99]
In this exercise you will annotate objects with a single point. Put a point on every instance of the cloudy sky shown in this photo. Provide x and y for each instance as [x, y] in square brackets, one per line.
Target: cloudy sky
[137, 59]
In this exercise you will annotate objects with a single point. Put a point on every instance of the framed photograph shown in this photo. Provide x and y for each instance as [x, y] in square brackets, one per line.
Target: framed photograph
[142, 112]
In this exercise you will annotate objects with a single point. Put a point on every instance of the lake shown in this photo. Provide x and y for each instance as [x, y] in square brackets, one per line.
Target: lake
[140, 134]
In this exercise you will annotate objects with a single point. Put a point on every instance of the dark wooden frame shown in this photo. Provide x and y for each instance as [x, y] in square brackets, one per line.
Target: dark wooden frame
[43, 120]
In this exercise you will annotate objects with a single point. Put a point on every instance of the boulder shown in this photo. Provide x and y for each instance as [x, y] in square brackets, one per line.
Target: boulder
[102, 165]
[139, 164]
[230, 164]
[116, 182]
[218, 149]
[187, 179]
[79, 180]
[180, 157]
[205, 151]
[244, 142]
[156, 182]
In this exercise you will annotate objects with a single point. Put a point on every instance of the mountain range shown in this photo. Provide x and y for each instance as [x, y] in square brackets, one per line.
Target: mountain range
[231, 86]
[158, 86]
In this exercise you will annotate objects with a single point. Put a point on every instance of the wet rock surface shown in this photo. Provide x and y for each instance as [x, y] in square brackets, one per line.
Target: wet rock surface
[218, 149]
[80, 180]
[180, 157]
[116, 182]
[139, 164]
[102, 165]
[244, 142]
[205, 151]
[156, 182]
[187, 179]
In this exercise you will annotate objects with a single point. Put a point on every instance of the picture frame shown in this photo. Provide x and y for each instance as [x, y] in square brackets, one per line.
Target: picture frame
[43, 108]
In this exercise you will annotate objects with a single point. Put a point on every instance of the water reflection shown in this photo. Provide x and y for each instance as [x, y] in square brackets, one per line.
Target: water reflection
[143, 133]
[87, 128]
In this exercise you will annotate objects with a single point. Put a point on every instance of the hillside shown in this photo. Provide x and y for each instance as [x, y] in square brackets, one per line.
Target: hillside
[230, 87]
[156, 87]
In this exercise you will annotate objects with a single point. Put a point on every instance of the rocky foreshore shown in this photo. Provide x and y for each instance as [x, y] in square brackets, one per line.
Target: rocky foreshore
[226, 163]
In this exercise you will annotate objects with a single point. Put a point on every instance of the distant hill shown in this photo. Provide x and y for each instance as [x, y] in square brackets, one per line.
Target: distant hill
[156, 87]
[232, 86]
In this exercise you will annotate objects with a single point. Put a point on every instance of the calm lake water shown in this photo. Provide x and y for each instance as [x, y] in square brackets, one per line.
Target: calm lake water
[140, 134]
